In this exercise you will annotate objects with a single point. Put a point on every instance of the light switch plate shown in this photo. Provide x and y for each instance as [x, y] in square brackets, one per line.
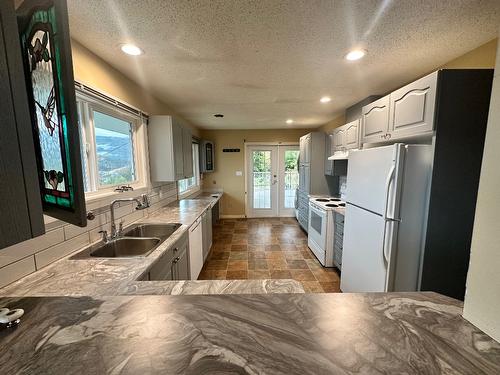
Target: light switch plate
[239, 173]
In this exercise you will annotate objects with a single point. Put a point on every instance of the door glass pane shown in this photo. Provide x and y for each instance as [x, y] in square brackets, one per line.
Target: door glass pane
[291, 177]
[261, 179]
[114, 147]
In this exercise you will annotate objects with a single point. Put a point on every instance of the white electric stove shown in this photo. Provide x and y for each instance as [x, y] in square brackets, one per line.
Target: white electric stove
[321, 234]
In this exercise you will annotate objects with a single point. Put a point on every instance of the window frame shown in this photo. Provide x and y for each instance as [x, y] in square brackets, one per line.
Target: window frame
[196, 174]
[87, 104]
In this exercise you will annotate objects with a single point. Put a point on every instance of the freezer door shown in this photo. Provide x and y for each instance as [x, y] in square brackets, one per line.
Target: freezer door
[372, 175]
[364, 267]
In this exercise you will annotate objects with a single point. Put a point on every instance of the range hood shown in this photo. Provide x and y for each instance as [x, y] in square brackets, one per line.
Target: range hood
[339, 155]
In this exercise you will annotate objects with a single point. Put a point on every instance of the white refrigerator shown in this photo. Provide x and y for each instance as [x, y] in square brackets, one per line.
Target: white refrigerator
[385, 221]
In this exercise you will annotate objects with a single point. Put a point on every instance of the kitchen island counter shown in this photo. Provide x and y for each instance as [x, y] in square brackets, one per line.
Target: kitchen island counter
[413, 333]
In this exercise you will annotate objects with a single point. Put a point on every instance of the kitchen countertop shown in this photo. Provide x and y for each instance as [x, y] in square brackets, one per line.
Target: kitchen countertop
[412, 333]
[115, 276]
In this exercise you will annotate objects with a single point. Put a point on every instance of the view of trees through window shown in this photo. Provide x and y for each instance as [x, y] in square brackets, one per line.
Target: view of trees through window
[114, 148]
[262, 178]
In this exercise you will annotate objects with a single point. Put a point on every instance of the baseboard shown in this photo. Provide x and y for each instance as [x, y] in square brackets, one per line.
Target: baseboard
[232, 216]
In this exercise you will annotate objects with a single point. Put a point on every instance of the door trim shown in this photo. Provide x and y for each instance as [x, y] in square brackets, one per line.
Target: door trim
[245, 170]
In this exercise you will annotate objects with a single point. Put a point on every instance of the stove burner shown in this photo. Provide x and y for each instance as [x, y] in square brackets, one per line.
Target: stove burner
[342, 204]
[321, 200]
[331, 205]
[335, 199]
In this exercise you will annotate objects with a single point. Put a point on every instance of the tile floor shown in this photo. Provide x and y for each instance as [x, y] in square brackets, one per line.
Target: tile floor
[270, 248]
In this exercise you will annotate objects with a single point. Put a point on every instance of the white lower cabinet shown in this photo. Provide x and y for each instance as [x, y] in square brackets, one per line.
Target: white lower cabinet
[196, 248]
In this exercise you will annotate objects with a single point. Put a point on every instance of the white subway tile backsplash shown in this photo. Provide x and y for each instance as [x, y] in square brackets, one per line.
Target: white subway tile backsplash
[17, 270]
[47, 256]
[23, 249]
[71, 231]
[62, 239]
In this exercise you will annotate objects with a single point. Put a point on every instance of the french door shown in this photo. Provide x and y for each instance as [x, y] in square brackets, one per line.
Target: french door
[272, 179]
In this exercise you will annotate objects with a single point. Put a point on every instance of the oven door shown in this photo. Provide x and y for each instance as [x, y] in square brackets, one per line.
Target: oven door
[316, 238]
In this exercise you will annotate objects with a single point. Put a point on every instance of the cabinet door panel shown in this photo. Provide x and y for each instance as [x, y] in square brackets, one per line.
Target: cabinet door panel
[338, 138]
[307, 178]
[375, 117]
[162, 270]
[178, 143]
[182, 266]
[412, 107]
[187, 151]
[351, 136]
[22, 216]
[305, 149]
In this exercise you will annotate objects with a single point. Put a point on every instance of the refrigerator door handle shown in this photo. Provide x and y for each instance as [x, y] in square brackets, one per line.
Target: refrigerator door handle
[388, 181]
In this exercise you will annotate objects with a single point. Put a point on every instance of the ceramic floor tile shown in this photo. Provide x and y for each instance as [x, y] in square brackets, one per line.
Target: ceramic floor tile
[236, 275]
[330, 287]
[238, 255]
[237, 265]
[297, 265]
[302, 275]
[274, 248]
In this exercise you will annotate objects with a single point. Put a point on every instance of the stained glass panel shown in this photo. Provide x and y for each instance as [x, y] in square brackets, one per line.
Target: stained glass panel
[46, 50]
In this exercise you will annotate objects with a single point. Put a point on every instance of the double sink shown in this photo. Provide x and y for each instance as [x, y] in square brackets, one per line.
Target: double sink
[138, 240]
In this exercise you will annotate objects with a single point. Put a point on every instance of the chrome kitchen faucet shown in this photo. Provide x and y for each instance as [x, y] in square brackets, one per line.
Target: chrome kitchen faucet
[141, 205]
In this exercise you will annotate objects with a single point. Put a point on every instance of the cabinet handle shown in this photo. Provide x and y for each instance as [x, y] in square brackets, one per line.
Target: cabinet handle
[176, 249]
[388, 136]
[176, 260]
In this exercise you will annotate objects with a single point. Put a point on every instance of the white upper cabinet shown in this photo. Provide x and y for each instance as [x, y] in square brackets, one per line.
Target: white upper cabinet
[177, 144]
[170, 150]
[338, 136]
[412, 107]
[346, 137]
[375, 118]
[351, 135]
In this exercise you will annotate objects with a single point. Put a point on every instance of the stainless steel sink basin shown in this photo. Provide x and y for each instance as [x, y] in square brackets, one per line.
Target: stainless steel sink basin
[125, 247]
[162, 231]
[138, 240]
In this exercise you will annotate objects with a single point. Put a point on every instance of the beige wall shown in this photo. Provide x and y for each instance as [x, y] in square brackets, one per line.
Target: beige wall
[482, 298]
[481, 57]
[226, 164]
[93, 71]
[335, 123]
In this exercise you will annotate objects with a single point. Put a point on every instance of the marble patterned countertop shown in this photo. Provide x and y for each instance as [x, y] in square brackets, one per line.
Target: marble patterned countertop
[115, 276]
[410, 333]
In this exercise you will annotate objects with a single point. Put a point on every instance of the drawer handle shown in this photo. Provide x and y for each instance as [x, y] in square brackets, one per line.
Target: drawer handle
[176, 249]
[176, 260]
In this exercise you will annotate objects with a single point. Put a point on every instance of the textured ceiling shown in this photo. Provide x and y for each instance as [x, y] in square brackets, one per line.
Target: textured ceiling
[262, 62]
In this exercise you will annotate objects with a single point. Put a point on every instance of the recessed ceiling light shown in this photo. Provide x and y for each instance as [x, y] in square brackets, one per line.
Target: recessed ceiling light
[289, 121]
[325, 99]
[355, 54]
[130, 49]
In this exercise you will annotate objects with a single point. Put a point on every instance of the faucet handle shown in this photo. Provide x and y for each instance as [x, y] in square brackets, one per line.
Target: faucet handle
[145, 200]
[104, 234]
